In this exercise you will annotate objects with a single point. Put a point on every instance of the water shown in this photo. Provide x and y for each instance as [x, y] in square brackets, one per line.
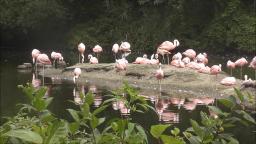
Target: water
[170, 110]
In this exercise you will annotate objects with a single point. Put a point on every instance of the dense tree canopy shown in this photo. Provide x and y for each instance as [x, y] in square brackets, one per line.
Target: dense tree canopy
[214, 25]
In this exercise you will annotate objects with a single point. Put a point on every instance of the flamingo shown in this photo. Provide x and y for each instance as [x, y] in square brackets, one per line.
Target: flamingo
[115, 49]
[200, 58]
[35, 82]
[205, 70]
[228, 81]
[168, 46]
[186, 60]
[177, 56]
[92, 59]
[178, 63]
[253, 65]
[121, 64]
[125, 47]
[159, 74]
[163, 52]
[205, 58]
[35, 53]
[215, 70]
[56, 56]
[142, 60]
[43, 59]
[190, 53]
[231, 65]
[248, 82]
[97, 49]
[241, 62]
[154, 61]
[81, 49]
[77, 72]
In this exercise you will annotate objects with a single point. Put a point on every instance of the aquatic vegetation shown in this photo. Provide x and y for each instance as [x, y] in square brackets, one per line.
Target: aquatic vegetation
[34, 123]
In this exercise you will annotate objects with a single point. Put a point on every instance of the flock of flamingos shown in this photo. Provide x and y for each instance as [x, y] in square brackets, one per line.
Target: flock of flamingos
[189, 59]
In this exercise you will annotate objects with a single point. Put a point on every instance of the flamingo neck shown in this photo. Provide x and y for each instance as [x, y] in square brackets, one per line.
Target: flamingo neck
[82, 58]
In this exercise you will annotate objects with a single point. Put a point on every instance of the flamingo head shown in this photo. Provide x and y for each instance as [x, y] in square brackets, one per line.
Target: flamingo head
[160, 65]
[245, 77]
[176, 42]
[145, 56]
[89, 56]
[156, 56]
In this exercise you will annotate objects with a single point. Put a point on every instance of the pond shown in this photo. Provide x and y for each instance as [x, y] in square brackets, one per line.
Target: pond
[173, 110]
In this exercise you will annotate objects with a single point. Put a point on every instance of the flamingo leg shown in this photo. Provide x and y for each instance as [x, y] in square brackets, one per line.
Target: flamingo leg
[168, 59]
[79, 58]
[43, 74]
[231, 71]
[240, 72]
[163, 59]
[115, 56]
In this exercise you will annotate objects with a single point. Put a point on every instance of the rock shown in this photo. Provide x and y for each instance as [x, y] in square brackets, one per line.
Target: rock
[25, 66]
[189, 81]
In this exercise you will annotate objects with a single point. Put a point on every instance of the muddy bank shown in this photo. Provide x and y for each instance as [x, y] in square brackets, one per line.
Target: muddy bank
[183, 82]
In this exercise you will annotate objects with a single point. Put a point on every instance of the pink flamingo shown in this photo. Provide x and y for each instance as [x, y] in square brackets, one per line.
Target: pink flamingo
[228, 81]
[97, 49]
[35, 53]
[177, 56]
[231, 65]
[215, 70]
[77, 72]
[241, 62]
[163, 52]
[159, 74]
[81, 49]
[205, 59]
[168, 46]
[35, 82]
[43, 59]
[253, 65]
[115, 49]
[205, 70]
[121, 64]
[56, 57]
[190, 53]
[92, 59]
[178, 63]
[186, 60]
[125, 47]
[154, 61]
[141, 60]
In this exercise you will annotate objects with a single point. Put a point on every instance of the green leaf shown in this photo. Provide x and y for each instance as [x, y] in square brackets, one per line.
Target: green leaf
[217, 110]
[175, 131]
[239, 95]
[142, 132]
[85, 110]
[170, 140]
[56, 131]
[74, 114]
[25, 135]
[94, 122]
[227, 103]
[99, 110]
[197, 129]
[157, 130]
[89, 98]
[73, 127]
[41, 92]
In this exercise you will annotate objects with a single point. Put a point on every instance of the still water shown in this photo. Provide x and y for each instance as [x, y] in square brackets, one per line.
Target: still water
[173, 110]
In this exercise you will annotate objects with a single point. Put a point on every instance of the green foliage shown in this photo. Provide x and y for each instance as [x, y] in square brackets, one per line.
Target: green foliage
[34, 123]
